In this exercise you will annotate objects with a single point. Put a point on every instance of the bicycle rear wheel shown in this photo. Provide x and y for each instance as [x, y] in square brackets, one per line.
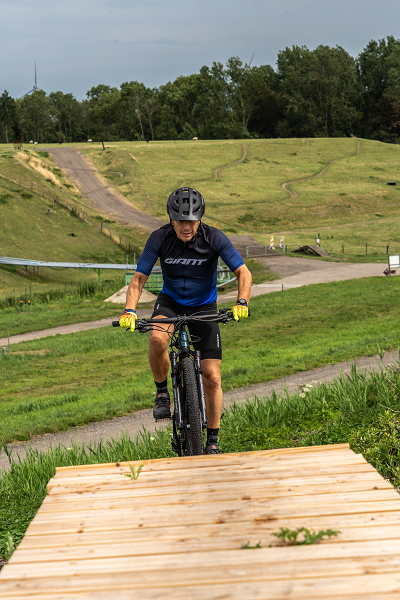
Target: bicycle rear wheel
[194, 433]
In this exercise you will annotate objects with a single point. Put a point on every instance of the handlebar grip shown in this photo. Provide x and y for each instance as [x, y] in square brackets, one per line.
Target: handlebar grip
[115, 323]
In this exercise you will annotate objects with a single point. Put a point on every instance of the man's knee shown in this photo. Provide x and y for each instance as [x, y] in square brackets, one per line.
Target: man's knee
[159, 340]
[212, 379]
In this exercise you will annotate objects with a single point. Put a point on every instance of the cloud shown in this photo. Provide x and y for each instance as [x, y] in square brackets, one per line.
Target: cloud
[81, 44]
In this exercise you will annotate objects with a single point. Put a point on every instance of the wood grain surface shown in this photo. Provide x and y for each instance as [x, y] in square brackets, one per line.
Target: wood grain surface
[177, 531]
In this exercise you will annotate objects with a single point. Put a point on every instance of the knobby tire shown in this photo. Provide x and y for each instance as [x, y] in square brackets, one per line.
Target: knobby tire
[194, 435]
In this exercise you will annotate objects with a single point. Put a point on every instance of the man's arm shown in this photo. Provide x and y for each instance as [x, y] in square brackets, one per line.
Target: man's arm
[244, 282]
[135, 290]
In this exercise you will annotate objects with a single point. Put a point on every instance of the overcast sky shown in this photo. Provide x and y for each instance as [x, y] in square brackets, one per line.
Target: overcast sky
[78, 44]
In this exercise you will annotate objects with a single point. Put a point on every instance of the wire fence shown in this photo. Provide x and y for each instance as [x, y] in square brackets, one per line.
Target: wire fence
[79, 289]
[382, 248]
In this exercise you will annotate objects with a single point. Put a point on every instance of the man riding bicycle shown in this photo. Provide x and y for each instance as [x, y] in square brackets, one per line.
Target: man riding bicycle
[188, 251]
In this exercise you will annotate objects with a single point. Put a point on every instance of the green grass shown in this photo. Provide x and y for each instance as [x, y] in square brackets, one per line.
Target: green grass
[59, 307]
[51, 384]
[28, 231]
[248, 197]
[355, 409]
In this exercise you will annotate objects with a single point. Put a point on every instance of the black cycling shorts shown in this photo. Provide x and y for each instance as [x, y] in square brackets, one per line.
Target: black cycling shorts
[210, 338]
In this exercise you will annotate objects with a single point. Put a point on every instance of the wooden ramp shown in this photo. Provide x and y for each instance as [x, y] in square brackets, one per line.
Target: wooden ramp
[176, 533]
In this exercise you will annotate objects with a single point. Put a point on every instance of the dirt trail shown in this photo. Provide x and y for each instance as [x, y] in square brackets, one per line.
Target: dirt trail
[103, 198]
[295, 194]
[133, 424]
[217, 171]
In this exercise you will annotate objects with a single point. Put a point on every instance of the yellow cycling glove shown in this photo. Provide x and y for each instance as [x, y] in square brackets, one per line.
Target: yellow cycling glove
[128, 319]
[240, 311]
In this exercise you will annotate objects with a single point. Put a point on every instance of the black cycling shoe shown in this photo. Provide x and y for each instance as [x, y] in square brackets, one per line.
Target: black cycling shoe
[212, 449]
[162, 406]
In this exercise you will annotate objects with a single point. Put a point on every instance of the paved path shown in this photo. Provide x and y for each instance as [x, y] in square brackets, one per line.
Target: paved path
[134, 423]
[103, 198]
[319, 272]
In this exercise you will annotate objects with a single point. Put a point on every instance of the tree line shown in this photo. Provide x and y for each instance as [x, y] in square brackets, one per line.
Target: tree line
[312, 93]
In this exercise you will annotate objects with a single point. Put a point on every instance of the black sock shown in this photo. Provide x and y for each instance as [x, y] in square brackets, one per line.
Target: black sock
[212, 435]
[161, 387]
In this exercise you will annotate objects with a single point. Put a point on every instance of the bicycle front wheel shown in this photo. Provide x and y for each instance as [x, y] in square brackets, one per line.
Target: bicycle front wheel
[194, 433]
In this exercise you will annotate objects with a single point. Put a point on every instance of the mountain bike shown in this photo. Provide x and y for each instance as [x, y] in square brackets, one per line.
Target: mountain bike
[189, 418]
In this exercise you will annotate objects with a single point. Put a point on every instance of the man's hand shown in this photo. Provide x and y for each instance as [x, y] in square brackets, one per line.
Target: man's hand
[128, 319]
[240, 312]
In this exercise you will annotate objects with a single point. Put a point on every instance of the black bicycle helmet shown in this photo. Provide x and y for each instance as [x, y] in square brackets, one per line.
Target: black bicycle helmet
[185, 204]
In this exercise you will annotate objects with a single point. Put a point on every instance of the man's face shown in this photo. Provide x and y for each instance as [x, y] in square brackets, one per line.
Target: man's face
[185, 230]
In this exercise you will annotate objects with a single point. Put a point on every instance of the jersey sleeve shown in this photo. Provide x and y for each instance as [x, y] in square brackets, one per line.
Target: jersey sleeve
[228, 252]
[149, 256]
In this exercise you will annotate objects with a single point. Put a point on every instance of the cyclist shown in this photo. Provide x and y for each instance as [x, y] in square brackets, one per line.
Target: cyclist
[188, 251]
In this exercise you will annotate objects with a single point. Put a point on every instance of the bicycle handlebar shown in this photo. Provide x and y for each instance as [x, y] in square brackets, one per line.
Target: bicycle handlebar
[223, 315]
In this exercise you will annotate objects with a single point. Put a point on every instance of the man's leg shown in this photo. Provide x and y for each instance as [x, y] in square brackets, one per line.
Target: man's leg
[212, 390]
[158, 351]
[214, 400]
[159, 364]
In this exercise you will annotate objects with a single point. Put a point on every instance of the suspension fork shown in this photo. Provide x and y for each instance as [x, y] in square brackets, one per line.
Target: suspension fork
[175, 387]
[200, 388]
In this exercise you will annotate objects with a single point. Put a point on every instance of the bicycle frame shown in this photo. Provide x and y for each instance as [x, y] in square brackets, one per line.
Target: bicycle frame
[183, 348]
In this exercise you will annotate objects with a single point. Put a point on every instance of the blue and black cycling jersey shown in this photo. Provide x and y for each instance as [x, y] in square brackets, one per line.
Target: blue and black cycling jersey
[189, 268]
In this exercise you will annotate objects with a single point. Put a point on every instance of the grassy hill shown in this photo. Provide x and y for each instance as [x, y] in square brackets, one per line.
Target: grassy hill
[28, 184]
[339, 190]
[350, 200]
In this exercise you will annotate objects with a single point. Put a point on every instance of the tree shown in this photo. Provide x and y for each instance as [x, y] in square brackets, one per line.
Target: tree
[133, 95]
[67, 112]
[8, 115]
[151, 106]
[104, 107]
[321, 89]
[375, 71]
[36, 116]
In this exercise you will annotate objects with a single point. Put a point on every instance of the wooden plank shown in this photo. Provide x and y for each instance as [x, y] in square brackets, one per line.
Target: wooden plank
[250, 469]
[277, 482]
[264, 588]
[156, 541]
[306, 496]
[225, 474]
[214, 465]
[173, 516]
[223, 457]
[211, 461]
[139, 506]
[118, 544]
[131, 595]
[206, 493]
[277, 563]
